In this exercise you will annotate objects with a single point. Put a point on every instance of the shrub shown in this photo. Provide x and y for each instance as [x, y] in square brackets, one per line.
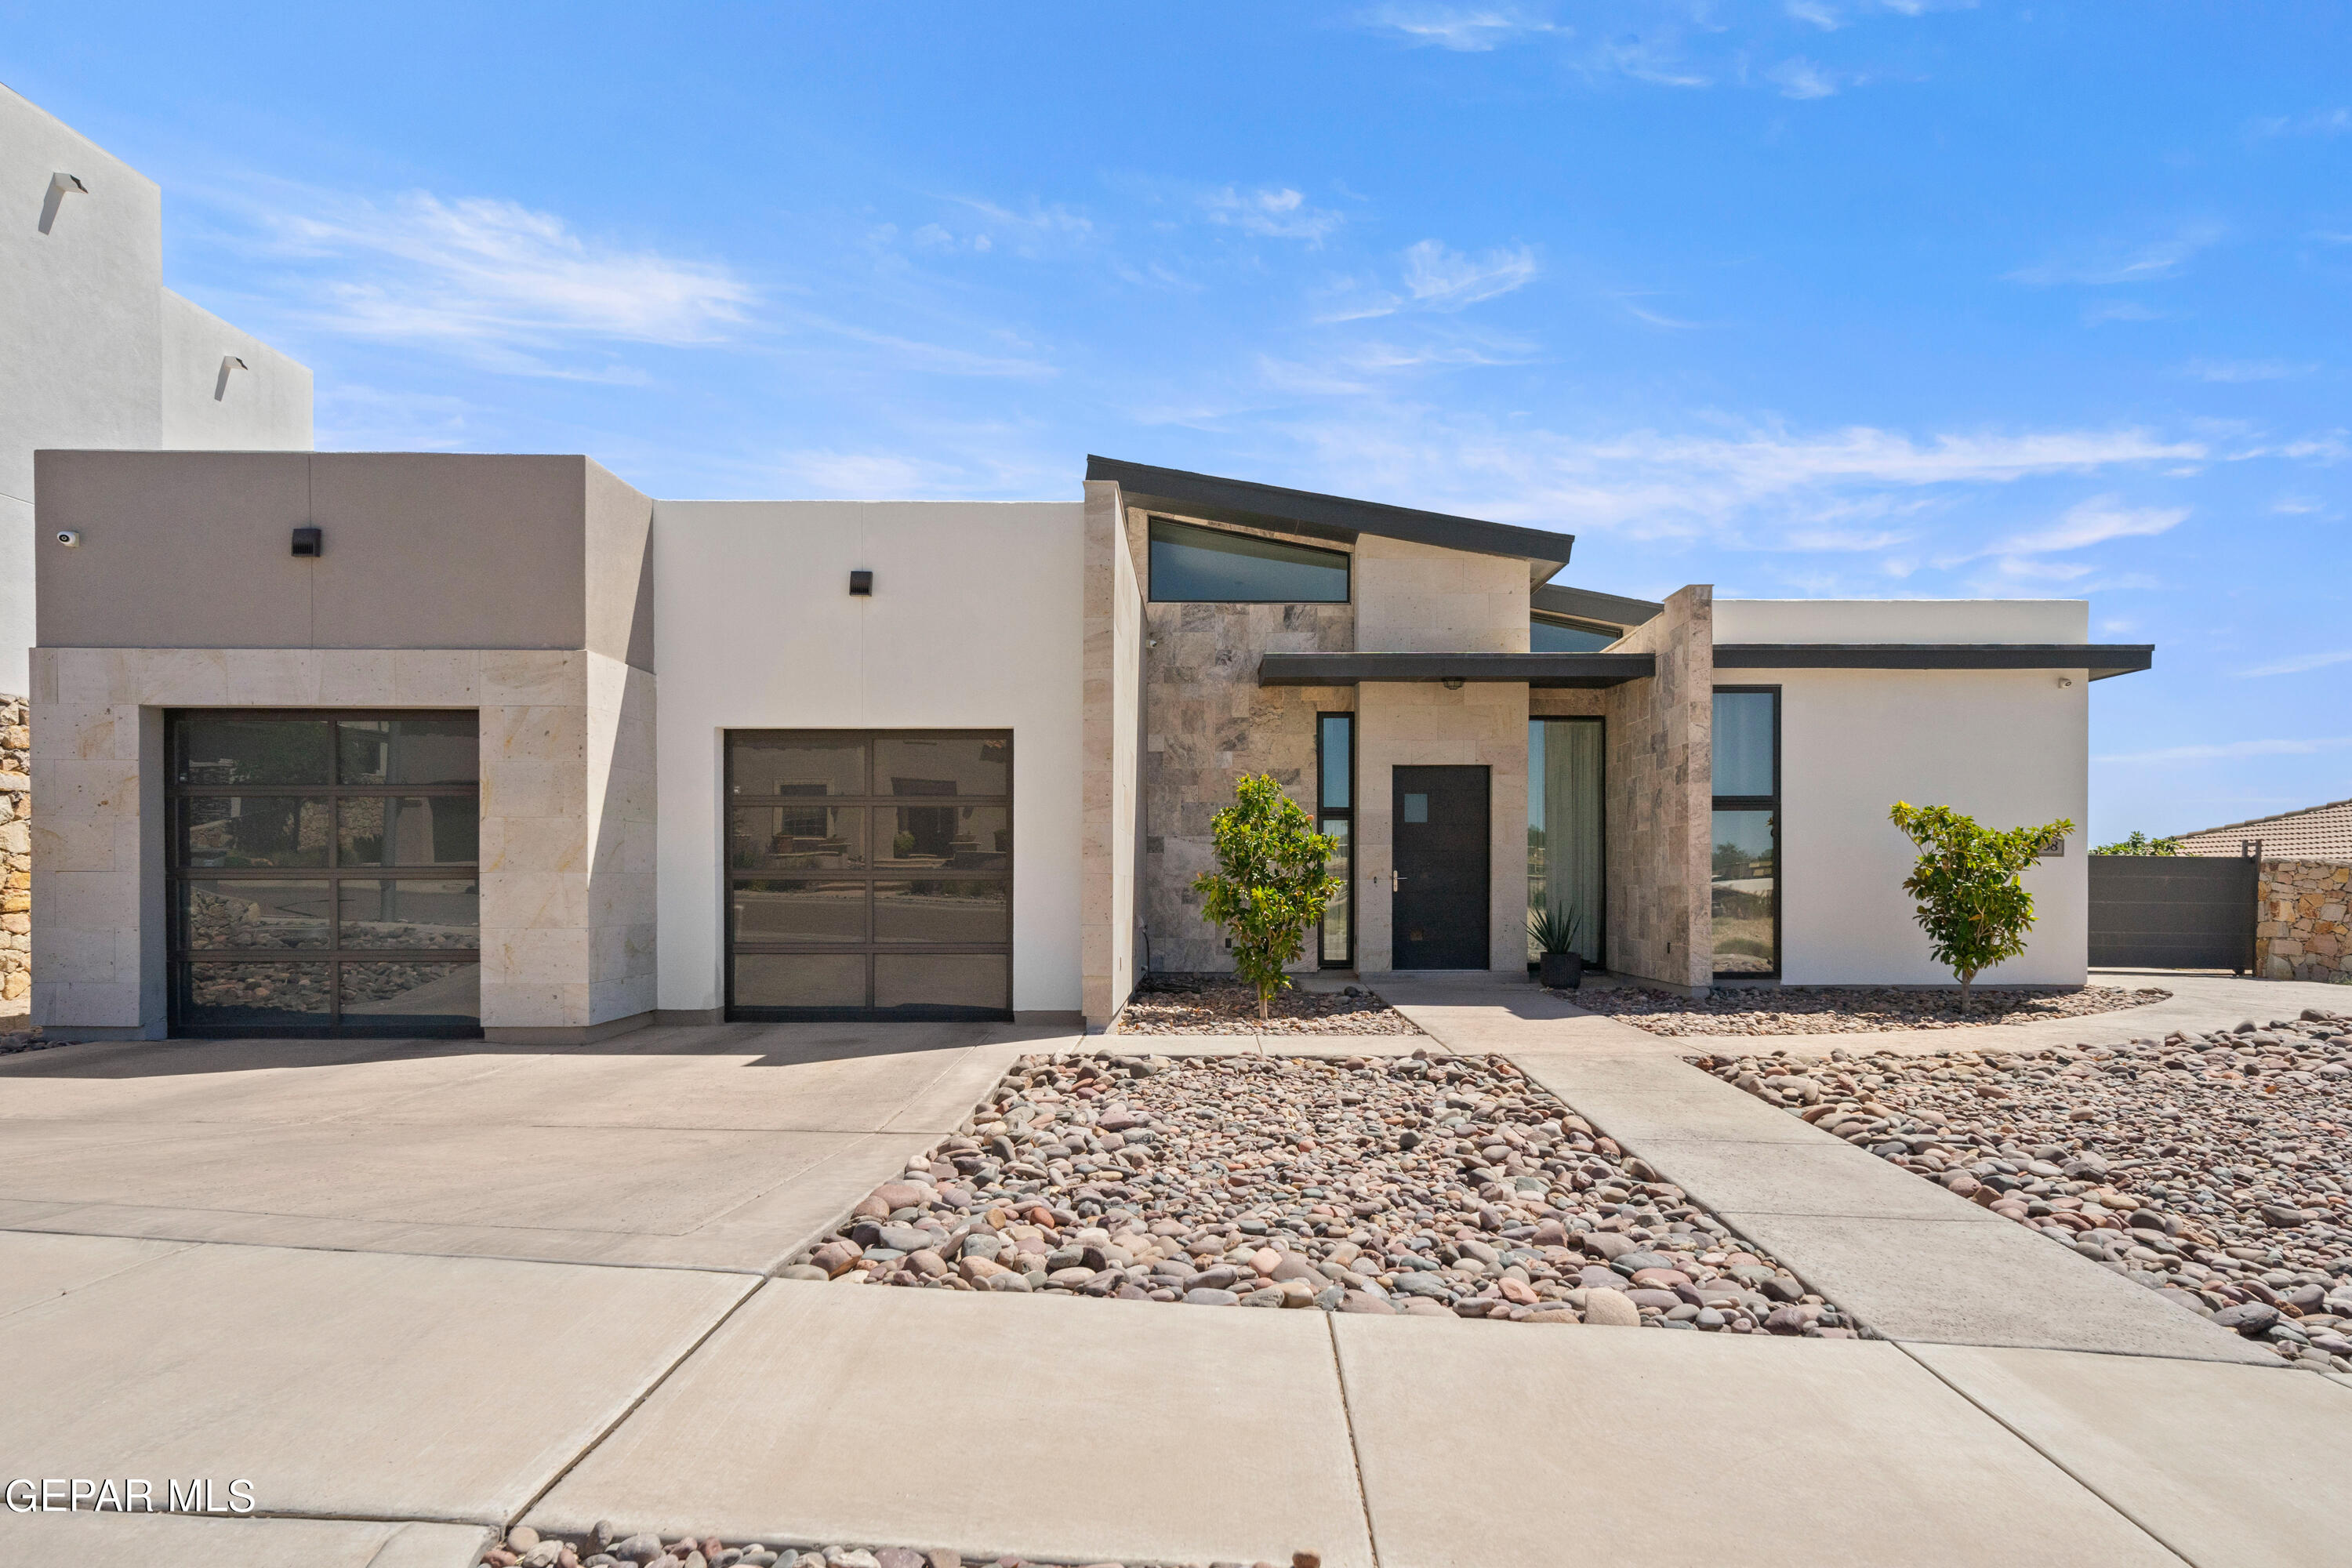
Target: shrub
[1271, 884]
[2140, 844]
[1972, 906]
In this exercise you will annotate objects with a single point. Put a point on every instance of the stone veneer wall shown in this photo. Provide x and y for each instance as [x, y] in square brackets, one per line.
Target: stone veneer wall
[15, 849]
[567, 832]
[2303, 929]
[1111, 677]
[1661, 762]
[1207, 722]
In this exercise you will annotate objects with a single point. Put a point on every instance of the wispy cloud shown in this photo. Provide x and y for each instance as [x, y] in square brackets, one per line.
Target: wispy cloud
[493, 280]
[2091, 522]
[1811, 11]
[1800, 78]
[2318, 123]
[1276, 212]
[1764, 488]
[2219, 749]
[1465, 29]
[2105, 310]
[2108, 265]
[2301, 662]
[1445, 279]
[2231, 370]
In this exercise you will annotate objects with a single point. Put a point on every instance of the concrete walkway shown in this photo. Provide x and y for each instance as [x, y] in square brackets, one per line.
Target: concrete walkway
[416, 1292]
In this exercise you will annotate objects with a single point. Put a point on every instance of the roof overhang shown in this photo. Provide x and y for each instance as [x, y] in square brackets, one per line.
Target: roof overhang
[1280, 510]
[1584, 605]
[1539, 669]
[2101, 659]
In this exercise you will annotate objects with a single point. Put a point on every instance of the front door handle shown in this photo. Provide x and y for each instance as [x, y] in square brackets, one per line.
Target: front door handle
[1395, 880]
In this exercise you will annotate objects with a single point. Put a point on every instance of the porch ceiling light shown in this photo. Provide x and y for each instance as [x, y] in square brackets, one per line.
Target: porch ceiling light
[1453, 683]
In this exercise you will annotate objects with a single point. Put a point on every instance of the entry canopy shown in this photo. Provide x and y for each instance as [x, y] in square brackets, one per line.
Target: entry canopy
[1303, 512]
[1593, 669]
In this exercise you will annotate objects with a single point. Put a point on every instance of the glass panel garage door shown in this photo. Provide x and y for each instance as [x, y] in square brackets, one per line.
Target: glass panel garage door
[869, 874]
[323, 873]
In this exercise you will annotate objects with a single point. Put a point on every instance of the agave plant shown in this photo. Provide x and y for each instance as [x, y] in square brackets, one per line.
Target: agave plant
[1555, 931]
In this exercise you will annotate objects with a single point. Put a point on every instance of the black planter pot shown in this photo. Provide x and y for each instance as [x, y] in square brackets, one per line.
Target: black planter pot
[1561, 971]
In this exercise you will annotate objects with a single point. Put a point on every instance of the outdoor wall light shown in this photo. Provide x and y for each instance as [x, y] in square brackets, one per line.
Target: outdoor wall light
[61, 186]
[861, 584]
[309, 542]
[220, 382]
[67, 185]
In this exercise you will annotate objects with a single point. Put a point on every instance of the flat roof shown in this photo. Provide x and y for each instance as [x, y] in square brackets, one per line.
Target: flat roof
[1588, 604]
[1271, 507]
[2101, 659]
[1541, 670]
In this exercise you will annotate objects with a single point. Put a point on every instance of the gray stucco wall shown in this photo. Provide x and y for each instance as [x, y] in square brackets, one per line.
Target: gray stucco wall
[422, 550]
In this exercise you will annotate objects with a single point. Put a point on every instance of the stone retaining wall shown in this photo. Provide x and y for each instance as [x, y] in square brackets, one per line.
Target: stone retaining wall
[2305, 929]
[15, 849]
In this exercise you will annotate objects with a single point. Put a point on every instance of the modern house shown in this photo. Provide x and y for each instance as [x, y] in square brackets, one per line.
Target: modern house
[413, 742]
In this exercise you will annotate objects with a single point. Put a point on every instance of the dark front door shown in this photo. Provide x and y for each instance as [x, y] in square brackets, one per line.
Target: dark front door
[1439, 905]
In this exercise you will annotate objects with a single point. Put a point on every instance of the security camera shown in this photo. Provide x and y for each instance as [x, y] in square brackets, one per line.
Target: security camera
[69, 537]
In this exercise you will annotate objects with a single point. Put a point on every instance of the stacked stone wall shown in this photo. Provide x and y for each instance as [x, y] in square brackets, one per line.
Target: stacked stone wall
[16, 850]
[2305, 931]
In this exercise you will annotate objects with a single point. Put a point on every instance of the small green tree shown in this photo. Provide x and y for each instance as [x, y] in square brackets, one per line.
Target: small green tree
[1972, 906]
[2140, 844]
[1271, 883]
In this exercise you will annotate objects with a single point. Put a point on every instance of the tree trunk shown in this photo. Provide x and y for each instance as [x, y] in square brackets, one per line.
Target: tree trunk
[1265, 993]
[1964, 981]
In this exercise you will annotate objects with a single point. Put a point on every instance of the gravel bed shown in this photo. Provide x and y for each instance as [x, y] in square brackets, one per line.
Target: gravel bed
[27, 1040]
[1218, 1005]
[2213, 1169]
[1427, 1184]
[1847, 1009]
[524, 1547]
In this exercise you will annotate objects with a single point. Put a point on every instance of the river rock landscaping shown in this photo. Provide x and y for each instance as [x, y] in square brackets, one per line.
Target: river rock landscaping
[604, 1547]
[1427, 1184]
[2211, 1168]
[1220, 1005]
[1847, 1009]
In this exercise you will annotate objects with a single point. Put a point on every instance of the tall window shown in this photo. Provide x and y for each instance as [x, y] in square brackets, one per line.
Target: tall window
[1564, 827]
[1746, 894]
[1194, 565]
[1335, 773]
[323, 875]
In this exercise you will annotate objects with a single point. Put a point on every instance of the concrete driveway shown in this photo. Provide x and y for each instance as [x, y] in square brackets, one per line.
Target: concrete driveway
[416, 1292]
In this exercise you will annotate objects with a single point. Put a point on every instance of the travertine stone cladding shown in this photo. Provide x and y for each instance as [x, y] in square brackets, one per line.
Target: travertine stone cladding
[1417, 598]
[1111, 720]
[16, 850]
[2305, 930]
[1206, 722]
[567, 830]
[1660, 790]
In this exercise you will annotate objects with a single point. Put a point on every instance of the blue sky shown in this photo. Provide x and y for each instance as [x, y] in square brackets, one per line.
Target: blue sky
[1822, 298]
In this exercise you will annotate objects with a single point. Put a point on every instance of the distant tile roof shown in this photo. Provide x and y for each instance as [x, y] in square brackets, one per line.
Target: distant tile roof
[2314, 833]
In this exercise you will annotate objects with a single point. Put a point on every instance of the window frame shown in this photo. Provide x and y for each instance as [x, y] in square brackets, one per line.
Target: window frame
[182, 958]
[1325, 812]
[1770, 804]
[1346, 562]
[868, 876]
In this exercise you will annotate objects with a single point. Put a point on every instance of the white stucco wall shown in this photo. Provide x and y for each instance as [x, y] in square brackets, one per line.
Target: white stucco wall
[94, 351]
[2008, 747]
[974, 623]
[264, 407]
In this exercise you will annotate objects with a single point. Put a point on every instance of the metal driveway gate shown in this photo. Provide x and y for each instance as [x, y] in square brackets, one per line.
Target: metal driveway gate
[2174, 911]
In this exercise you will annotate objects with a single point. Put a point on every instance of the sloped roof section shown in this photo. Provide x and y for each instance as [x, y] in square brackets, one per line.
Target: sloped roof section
[1280, 510]
[2314, 833]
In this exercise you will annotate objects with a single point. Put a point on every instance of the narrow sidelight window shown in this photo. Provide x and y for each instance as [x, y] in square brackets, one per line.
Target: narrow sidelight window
[1207, 565]
[1745, 893]
[1335, 769]
[1565, 867]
